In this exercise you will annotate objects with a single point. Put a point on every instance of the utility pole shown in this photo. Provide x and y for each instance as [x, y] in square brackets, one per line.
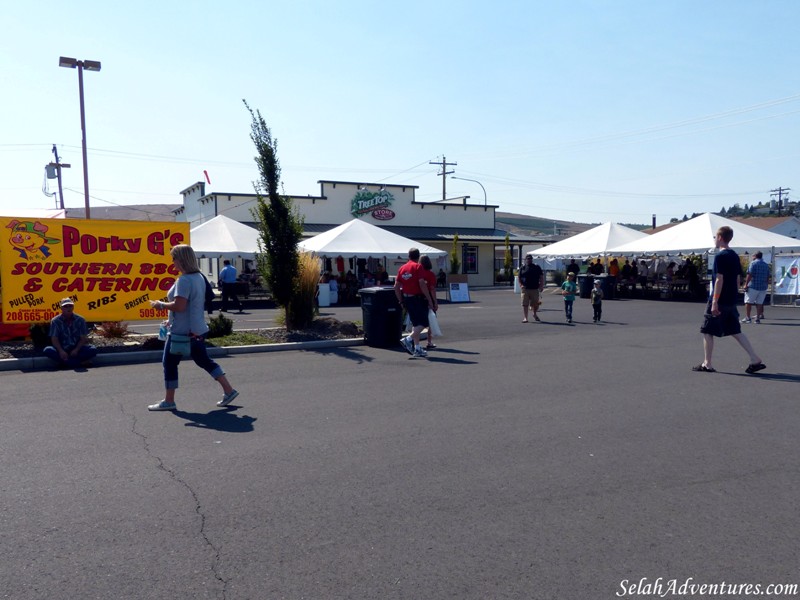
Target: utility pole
[58, 166]
[780, 194]
[444, 164]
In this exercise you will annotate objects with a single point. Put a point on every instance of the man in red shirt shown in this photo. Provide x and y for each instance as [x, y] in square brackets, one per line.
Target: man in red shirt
[413, 294]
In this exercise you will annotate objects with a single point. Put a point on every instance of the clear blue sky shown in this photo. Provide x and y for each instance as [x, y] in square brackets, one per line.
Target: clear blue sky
[586, 110]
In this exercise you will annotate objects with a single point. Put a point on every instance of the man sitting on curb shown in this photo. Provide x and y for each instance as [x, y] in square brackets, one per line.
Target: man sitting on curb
[69, 337]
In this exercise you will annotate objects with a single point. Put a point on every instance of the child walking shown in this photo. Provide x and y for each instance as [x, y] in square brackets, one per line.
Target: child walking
[568, 289]
[597, 301]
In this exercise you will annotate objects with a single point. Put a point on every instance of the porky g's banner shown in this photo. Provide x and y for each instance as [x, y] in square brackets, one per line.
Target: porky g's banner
[111, 269]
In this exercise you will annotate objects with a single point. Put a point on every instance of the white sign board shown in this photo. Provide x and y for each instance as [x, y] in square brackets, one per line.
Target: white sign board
[324, 294]
[787, 274]
[459, 292]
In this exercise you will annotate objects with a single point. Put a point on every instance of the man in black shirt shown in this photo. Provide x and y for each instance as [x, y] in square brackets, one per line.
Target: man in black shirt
[721, 317]
[573, 267]
[531, 282]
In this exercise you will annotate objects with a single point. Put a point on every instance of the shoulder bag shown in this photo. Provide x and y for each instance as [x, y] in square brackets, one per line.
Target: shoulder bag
[180, 345]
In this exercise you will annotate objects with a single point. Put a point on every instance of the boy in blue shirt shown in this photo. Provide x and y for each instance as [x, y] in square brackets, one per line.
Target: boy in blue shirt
[568, 289]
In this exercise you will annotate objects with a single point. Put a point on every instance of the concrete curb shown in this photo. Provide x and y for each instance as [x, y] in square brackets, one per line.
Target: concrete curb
[39, 363]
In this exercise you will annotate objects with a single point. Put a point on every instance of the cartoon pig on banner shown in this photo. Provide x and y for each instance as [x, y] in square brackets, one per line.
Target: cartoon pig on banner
[30, 240]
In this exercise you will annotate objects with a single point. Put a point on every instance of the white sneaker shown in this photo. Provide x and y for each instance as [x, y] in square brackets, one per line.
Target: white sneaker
[163, 405]
[408, 344]
[419, 353]
[228, 398]
[746, 320]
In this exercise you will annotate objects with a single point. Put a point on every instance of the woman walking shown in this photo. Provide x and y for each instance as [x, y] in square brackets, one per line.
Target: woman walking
[430, 278]
[187, 329]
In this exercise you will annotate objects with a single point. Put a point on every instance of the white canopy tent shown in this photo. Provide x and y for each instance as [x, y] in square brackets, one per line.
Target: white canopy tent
[596, 241]
[697, 236]
[222, 237]
[360, 239]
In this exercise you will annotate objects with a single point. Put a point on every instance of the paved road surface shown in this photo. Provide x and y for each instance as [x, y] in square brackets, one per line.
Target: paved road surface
[519, 461]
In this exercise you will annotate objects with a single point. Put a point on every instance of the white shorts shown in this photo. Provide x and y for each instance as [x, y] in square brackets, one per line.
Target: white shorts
[752, 296]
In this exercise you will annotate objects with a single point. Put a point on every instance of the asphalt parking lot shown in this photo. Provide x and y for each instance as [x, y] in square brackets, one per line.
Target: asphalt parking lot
[540, 460]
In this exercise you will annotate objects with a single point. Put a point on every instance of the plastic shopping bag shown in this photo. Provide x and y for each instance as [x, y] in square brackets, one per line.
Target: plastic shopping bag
[433, 323]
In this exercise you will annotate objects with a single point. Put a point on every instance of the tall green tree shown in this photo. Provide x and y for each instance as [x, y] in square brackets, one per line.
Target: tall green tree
[280, 226]
[508, 260]
[455, 262]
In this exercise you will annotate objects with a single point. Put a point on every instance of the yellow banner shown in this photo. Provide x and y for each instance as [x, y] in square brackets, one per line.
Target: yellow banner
[111, 269]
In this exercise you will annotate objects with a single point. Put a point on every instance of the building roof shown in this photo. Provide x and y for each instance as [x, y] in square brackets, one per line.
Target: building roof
[132, 212]
[767, 223]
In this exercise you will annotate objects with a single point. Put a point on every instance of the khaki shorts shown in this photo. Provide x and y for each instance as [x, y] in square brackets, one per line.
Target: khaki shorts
[530, 298]
[752, 296]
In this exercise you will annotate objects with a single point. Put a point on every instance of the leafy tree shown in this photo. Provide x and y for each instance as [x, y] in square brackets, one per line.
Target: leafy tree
[455, 262]
[508, 260]
[281, 228]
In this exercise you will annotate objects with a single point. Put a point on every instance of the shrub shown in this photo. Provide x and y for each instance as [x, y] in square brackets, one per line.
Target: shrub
[112, 329]
[303, 307]
[219, 326]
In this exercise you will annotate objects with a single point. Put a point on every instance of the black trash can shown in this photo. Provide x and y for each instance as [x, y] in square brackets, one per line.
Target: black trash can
[585, 284]
[383, 317]
[608, 283]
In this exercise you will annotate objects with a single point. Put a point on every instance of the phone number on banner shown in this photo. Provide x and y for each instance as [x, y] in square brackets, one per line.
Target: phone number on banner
[29, 316]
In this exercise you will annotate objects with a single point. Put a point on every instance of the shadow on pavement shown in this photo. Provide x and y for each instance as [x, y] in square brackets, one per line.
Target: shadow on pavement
[452, 351]
[451, 361]
[773, 376]
[343, 352]
[219, 420]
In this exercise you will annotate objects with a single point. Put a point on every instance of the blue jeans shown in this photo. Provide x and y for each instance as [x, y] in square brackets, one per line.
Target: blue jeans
[86, 352]
[229, 291]
[568, 308]
[199, 356]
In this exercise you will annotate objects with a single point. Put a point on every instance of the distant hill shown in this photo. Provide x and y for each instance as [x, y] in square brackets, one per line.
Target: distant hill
[133, 212]
[529, 225]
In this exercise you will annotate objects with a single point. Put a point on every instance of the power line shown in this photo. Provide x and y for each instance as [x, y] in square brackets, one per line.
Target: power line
[657, 128]
[594, 192]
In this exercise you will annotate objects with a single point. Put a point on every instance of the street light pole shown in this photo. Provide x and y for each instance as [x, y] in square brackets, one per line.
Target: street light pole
[485, 204]
[89, 65]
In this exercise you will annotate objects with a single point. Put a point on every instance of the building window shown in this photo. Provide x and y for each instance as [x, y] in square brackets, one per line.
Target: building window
[470, 259]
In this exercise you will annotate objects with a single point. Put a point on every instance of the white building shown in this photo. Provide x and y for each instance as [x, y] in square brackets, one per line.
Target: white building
[393, 207]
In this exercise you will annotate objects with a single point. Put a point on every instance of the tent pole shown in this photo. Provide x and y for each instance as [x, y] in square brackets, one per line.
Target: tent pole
[772, 283]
